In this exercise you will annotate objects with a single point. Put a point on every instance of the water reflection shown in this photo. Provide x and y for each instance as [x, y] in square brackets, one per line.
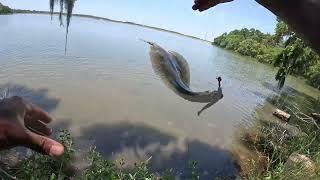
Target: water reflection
[38, 97]
[174, 71]
[140, 142]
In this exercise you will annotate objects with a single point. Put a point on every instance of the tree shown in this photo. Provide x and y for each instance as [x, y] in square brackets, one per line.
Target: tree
[284, 49]
[250, 47]
[233, 41]
[296, 57]
[281, 31]
[5, 9]
[314, 75]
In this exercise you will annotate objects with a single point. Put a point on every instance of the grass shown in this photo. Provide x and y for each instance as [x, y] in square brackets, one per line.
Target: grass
[277, 147]
[101, 169]
[276, 141]
[39, 167]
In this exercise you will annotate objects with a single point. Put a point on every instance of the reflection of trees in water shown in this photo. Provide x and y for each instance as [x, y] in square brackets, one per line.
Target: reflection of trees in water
[143, 141]
[38, 97]
[67, 6]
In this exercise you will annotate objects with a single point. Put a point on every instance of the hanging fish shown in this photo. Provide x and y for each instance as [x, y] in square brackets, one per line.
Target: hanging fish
[174, 71]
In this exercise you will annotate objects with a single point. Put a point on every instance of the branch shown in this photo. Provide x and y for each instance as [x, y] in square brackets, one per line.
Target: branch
[303, 117]
[5, 173]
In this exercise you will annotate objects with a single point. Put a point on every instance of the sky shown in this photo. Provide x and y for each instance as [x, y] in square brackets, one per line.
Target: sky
[176, 15]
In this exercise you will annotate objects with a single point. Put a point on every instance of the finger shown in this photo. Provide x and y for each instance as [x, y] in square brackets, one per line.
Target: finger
[44, 145]
[36, 113]
[12, 107]
[203, 5]
[206, 6]
[200, 4]
[38, 127]
[195, 7]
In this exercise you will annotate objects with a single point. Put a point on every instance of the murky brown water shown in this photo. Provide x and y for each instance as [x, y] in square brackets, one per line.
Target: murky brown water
[105, 91]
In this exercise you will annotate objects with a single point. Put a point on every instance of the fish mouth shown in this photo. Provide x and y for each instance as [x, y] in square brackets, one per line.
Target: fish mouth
[149, 42]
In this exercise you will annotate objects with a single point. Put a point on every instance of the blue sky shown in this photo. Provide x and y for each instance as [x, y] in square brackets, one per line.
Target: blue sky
[174, 15]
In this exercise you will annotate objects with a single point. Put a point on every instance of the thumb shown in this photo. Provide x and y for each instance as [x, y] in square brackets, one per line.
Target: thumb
[45, 145]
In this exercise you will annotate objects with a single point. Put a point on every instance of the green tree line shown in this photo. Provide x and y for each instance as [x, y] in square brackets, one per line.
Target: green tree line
[5, 9]
[284, 49]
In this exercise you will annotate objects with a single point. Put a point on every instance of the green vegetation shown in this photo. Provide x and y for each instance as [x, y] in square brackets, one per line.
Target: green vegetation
[44, 167]
[284, 49]
[5, 9]
[276, 146]
[40, 167]
[250, 42]
[276, 141]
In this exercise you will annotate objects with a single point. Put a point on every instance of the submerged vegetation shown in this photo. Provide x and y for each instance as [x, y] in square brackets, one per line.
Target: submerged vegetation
[284, 49]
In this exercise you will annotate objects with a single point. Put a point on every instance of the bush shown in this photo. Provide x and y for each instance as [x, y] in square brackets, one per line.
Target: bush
[283, 49]
[250, 47]
[233, 41]
[314, 75]
[268, 55]
[219, 39]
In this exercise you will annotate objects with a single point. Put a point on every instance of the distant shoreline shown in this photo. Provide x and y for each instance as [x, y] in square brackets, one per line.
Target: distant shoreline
[19, 11]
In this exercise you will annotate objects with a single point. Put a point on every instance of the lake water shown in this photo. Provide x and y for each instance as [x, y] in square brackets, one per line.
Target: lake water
[106, 93]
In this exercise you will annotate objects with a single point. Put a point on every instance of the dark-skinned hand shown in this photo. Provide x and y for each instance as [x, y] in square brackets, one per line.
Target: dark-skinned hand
[24, 124]
[203, 5]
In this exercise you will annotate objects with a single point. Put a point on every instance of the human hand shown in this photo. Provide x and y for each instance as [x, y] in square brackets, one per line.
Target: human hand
[24, 124]
[203, 5]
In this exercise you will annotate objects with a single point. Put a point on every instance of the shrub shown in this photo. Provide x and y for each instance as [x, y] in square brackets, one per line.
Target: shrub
[314, 75]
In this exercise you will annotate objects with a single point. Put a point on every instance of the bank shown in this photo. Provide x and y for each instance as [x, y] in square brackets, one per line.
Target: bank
[275, 148]
[283, 49]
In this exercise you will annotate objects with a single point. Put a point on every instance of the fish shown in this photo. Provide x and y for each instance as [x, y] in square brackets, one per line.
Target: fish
[174, 71]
